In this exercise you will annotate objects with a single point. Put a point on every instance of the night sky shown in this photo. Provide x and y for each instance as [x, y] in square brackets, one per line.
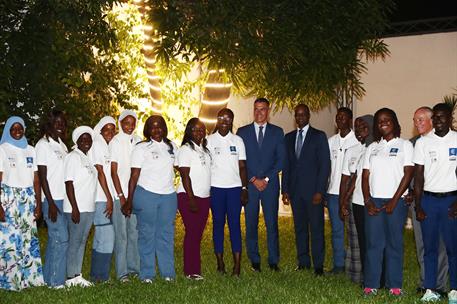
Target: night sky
[408, 10]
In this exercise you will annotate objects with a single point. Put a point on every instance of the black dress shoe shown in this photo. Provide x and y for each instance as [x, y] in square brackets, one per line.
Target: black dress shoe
[255, 267]
[274, 267]
[319, 272]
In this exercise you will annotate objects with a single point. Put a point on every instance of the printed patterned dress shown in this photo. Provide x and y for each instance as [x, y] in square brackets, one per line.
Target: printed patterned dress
[20, 260]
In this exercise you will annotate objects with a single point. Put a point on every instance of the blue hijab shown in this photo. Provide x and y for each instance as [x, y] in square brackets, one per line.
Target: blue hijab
[6, 136]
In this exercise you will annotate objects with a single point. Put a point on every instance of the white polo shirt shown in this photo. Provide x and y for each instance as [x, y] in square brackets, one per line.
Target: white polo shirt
[438, 155]
[100, 156]
[226, 152]
[51, 154]
[156, 161]
[338, 146]
[199, 163]
[386, 161]
[17, 165]
[120, 148]
[352, 163]
[81, 171]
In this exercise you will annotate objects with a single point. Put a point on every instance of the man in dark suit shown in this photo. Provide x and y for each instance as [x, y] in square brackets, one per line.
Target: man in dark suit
[304, 182]
[264, 157]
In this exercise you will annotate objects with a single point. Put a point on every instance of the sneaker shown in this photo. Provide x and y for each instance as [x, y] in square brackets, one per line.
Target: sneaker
[367, 292]
[71, 282]
[396, 292]
[124, 279]
[169, 279]
[195, 277]
[147, 281]
[83, 282]
[57, 287]
[452, 296]
[430, 296]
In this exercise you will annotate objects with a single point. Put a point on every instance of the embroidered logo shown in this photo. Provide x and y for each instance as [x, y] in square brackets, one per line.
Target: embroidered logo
[393, 152]
[452, 154]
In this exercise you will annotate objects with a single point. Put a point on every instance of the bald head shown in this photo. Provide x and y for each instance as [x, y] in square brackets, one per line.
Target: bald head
[423, 120]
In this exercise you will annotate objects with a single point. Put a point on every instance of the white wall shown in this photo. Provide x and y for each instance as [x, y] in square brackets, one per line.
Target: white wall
[420, 71]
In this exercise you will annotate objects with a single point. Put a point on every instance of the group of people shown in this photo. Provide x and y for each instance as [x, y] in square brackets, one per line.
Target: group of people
[124, 186]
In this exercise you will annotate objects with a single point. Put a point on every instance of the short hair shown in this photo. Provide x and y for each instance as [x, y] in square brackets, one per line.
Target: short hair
[426, 109]
[301, 105]
[262, 99]
[397, 129]
[346, 110]
[442, 106]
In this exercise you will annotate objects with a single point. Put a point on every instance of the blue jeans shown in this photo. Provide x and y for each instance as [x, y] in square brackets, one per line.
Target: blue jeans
[126, 254]
[156, 215]
[77, 238]
[102, 247]
[435, 224]
[384, 235]
[339, 252]
[55, 264]
[226, 202]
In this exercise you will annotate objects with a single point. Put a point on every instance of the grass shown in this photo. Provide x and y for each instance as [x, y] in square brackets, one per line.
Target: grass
[287, 286]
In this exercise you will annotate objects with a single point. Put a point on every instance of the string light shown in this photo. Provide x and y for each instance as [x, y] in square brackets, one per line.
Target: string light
[149, 60]
[156, 110]
[215, 71]
[148, 47]
[147, 28]
[153, 77]
[215, 102]
[157, 101]
[218, 85]
[208, 120]
[155, 88]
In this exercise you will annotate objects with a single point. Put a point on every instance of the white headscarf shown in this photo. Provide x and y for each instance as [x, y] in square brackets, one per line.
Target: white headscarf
[123, 115]
[80, 131]
[99, 126]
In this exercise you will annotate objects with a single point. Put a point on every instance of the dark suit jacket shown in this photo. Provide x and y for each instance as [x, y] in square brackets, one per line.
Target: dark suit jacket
[268, 160]
[309, 173]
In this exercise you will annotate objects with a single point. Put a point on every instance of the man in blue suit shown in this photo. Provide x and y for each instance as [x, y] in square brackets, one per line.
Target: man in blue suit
[264, 157]
[304, 182]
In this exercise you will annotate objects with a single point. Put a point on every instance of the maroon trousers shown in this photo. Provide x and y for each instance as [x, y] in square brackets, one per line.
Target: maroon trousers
[194, 224]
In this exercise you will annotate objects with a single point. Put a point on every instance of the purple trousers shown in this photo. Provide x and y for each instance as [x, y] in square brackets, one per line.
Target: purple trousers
[194, 224]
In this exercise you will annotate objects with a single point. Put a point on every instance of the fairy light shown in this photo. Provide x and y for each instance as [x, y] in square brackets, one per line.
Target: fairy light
[148, 47]
[149, 60]
[215, 102]
[155, 88]
[153, 77]
[147, 28]
[208, 120]
[218, 85]
[154, 109]
[157, 101]
[216, 71]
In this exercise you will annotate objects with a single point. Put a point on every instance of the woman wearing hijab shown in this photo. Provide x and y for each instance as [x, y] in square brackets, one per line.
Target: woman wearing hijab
[103, 244]
[80, 178]
[50, 153]
[127, 259]
[194, 163]
[387, 172]
[351, 191]
[20, 206]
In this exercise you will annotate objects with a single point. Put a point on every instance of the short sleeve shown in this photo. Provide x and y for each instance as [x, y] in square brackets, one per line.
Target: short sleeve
[184, 156]
[97, 154]
[41, 153]
[114, 146]
[33, 153]
[419, 155]
[70, 167]
[175, 152]
[409, 151]
[346, 163]
[242, 149]
[366, 160]
[137, 157]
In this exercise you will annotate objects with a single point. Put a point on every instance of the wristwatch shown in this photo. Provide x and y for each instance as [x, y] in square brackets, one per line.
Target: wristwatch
[267, 179]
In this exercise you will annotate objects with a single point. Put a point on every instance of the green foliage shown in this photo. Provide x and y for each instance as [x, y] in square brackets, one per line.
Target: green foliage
[65, 54]
[290, 51]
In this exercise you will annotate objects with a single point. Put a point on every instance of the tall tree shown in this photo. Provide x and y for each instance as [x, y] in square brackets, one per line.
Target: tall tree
[290, 51]
[64, 54]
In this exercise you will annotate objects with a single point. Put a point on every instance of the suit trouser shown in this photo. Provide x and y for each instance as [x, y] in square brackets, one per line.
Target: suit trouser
[308, 219]
[270, 204]
[225, 202]
[435, 224]
[339, 252]
[194, 225]
[384, 237]
[441, 281]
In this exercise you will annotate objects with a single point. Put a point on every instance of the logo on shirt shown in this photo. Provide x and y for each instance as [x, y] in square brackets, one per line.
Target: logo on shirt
[452, 154]
[29, 161]
[393, 152]
[155, 155]
[217, 150]
[433, 156]
[12, 162]
[233, 150]
[58, 154]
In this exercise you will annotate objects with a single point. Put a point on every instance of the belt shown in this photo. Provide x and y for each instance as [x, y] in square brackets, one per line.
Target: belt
[441, 194]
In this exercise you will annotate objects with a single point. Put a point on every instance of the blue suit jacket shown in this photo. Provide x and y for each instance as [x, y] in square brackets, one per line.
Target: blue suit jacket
[266, 161]
[309, 173]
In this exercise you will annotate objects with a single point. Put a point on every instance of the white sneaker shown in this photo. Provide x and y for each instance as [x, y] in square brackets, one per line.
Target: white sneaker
[57, 287]
[71, 282]
[168, 279]
[147, 281]
[83, 282]
[195, 277]
[430, 296]
[452, 296]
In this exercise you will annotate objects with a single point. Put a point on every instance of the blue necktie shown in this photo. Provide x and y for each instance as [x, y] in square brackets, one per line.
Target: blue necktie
[299, 144]
[260, 140]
